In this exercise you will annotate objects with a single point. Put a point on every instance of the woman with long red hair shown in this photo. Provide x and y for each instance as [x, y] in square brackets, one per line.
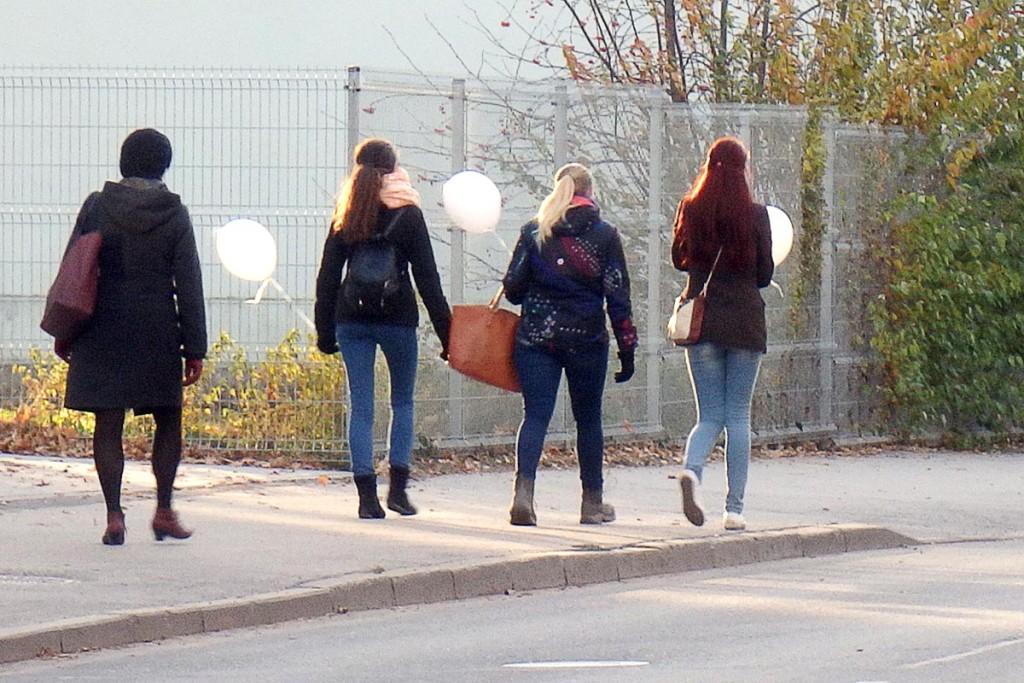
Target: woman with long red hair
[719, 228]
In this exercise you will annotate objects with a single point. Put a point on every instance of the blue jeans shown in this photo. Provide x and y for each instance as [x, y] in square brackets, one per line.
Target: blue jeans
[358, 343]
[723, 383]
[540, 373]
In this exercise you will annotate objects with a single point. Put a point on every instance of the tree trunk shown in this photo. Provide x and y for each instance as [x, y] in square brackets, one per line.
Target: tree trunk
[762, 62]
[722, 59]
[676, 82]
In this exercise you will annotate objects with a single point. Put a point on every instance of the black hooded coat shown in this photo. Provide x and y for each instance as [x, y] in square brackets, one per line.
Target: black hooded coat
[150, 310]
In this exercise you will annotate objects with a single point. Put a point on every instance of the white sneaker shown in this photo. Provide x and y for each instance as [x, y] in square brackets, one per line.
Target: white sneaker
[688, 485]
[733, 521]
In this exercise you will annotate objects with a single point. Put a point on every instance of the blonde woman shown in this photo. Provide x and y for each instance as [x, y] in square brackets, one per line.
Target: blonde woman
[377, 209]
[568, 271]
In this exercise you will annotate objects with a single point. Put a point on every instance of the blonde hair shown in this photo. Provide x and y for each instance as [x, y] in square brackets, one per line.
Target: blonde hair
[570, 180]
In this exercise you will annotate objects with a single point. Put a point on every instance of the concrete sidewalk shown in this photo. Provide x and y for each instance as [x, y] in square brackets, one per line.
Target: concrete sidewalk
[273, 545]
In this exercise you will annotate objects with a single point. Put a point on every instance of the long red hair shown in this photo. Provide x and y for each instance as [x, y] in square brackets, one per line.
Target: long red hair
[717, 212]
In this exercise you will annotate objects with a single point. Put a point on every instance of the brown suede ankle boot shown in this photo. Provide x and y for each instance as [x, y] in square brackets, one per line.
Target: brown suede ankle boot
[114, 534]
[522, 513]
[165, 523]
[594, 510]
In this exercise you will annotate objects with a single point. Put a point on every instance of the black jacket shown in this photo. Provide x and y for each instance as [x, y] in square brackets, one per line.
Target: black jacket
[734, 312]
[412, 244]
[149, 305]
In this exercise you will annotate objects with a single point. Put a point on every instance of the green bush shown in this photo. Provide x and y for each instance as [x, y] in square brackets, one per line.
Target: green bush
[43, 404]
[289, 402]
[949, 326]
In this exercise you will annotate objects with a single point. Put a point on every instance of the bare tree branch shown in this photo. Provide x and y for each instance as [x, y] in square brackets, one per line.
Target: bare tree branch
[605, 58]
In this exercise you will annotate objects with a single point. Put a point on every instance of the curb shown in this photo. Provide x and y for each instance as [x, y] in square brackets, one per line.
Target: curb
[534, 572]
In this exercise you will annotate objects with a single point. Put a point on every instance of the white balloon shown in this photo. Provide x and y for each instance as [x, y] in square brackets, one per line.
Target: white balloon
[247, 249]
[782, 233]
[472, 201]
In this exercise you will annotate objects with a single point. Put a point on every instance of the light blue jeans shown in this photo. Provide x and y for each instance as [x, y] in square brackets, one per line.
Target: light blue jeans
[723, 383]
[358, 343]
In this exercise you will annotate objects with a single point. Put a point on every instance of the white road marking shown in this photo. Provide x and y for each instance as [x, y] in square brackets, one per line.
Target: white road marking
[965, 655]
[573, 664]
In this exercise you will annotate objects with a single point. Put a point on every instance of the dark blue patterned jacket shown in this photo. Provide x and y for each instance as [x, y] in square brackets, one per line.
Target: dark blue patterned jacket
[566, 286]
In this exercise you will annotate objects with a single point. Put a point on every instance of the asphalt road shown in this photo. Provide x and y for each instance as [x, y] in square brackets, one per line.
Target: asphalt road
[937, 613]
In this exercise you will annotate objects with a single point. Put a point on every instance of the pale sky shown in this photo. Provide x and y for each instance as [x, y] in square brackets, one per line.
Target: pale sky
[257, 34]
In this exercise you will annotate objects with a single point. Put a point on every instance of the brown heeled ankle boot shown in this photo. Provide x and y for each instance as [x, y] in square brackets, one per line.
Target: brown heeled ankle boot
[114, 534]
[165, 523]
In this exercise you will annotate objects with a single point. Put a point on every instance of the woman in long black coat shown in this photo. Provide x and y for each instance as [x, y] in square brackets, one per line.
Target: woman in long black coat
[149, 317]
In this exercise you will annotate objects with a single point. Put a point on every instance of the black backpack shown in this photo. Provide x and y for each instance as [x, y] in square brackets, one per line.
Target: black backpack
[373, 277]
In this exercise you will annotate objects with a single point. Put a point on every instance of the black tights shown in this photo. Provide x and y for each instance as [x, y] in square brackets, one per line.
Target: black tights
[108, 453]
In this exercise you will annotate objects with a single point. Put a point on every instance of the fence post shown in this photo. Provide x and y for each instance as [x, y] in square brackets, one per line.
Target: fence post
[826, 330]
[655, 255]
[561, 125]
[352, 89]
[355, 84]
[456, 293]
[560, 418]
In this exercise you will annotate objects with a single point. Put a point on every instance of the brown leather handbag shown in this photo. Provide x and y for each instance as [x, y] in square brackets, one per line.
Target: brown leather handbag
[481, 343]
[72, 296]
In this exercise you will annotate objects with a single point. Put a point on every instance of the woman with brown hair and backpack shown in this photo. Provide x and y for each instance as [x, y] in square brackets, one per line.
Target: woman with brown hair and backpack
[365, 299]
[719, 230]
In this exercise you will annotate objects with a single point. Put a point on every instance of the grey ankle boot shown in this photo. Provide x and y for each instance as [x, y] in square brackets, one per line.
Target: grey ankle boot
[522, 513]
[594, 510]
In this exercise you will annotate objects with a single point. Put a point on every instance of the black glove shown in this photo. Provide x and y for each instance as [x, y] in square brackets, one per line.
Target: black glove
[626, 363]
[444, 335]
[327, 345]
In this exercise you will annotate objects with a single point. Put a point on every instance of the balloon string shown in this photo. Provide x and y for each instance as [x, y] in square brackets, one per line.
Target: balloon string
[777, 286]
[259, 292]
[502, 243]
[280, 290]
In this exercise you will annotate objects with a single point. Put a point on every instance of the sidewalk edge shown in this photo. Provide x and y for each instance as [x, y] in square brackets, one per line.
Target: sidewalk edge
[535, 572]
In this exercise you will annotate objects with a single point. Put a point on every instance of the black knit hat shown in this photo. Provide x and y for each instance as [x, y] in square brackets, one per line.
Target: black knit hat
[145, 153]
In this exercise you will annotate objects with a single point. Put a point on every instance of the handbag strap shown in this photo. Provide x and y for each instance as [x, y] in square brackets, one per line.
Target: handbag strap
[497, 297]
[707, 282]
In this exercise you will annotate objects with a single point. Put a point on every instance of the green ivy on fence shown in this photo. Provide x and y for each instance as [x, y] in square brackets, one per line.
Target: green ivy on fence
[949, 326]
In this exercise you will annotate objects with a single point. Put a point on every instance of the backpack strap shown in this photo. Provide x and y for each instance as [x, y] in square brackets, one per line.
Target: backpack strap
[383, 234]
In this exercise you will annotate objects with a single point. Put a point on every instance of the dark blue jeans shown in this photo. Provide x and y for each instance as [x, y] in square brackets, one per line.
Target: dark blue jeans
[359, 342]
[540, 373]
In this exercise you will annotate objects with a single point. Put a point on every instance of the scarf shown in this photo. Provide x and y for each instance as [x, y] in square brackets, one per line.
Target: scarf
[396, 190]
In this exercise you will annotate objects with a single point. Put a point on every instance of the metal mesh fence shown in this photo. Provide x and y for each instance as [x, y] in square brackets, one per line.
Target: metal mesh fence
[274, 146]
